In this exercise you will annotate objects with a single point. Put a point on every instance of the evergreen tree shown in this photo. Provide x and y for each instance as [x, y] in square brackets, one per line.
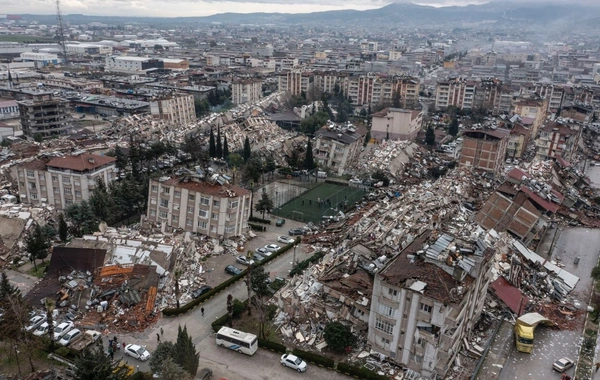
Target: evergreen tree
[186, 357]
[225, 148]
[309, 161]
[265, 204]
[82, 217]
[62, 228]
[219, 150]
[38, 245]
[453, 127]
[430, 136]
[94, 364]
[164, 351]
[247, 151]
[367, 137]
[212, 149]
[121, 157]
[6, 288]
[101, 202]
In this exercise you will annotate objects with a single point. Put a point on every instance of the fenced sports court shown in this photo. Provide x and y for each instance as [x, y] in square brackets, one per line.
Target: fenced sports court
[326, 199]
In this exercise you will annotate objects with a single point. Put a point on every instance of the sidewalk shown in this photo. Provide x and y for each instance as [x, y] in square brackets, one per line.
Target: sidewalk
[498, 353]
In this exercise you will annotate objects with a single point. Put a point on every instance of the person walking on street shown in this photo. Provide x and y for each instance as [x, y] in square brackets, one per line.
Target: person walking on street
[111, 353]
[123, 346]
[158, 338]
[161, 331]
[202, 311]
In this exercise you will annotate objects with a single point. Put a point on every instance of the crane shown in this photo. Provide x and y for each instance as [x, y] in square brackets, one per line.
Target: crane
[61, 33]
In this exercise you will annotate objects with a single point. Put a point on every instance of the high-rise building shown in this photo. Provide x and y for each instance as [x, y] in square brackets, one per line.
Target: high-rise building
[246, 90]
[177, 109]
[44, 115]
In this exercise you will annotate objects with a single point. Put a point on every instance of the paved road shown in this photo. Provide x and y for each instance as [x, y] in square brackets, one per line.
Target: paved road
[231, 365]
[22, 281]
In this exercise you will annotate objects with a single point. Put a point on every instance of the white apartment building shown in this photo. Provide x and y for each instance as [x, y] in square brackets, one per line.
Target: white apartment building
[131, 65]
[427, 299]
[199, 206]
[396, 124]
[295, 82]
[62, 181]
[246, 90]
[337, 147]
[175, 110]
[8, 108]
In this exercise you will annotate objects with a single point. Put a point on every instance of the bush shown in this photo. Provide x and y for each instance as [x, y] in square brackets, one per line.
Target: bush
[314, 358]
[63, 351]
[301, 266]
[258, 220]
[359, 372]
[220, 322]
[273, 346]
[339, 336]
[257, 227]
[140, 376]
[271, 311]
[238, 307]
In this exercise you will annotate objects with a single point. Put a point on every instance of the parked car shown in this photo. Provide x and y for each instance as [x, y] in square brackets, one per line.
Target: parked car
[43, 329]
[200, 291]
[257, 257]
[232, 270]
[244, 260]
[563, 364]
[70, 337]
[62, 329]
[280, 222]
[293, 362]
[296, 231]
[355, 181]
[272, 247]
[205, 374]
[35, 322]
[285, 239]
[137, 352]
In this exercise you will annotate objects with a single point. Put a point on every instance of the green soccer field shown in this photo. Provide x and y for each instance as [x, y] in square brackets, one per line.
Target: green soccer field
[324, 200]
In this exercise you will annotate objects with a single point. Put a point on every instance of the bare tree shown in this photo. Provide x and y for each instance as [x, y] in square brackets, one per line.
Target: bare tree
[49, 303]
[177, 276]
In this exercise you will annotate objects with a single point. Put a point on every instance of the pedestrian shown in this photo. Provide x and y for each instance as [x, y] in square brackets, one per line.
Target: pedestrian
[161, 331]
[111, 353]
[138, 368]
[202, 311]
[597, 366]
[123, 346]
[158, 338]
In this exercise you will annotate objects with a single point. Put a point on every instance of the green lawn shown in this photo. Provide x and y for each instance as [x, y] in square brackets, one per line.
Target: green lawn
[323, 200]
[24, 38]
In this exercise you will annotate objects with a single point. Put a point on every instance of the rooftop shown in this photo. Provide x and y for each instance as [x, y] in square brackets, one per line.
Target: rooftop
[82, 162]
[205, 187]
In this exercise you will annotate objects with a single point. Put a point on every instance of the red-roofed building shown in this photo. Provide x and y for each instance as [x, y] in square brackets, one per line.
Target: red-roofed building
[62, 181]
[558, 140]
[199, 206]
[484, 149]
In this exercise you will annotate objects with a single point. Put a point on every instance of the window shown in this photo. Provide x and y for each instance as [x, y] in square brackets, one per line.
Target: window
[216, 203]
[154, 188]
[233, 204]
[230, 229]
[32, 185]
[425, 308]
[188, 222]
[202, 225]
[68, 201]
[33, 196]
[177, 194]
[162, 214]
[68, 191]
[166, 190]
[152, 213]
[419, 359]
[204, 201]
[384, 342]
[76, 183]
[215, 216]
[387, 311]
[56, 190]
[191, 210]
[164, 203]
[191, 197]
[30, 174]
[77, 194]
[42, 188]
[54, 178]
[203, 213]
[392, 292]
[66, 179]
[175, 218]
[384, 326]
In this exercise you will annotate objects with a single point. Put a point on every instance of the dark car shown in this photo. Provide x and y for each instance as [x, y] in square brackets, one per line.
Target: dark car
[280, 222]
[232, 270]
[296, 231]
[257, 257]
[200, 291]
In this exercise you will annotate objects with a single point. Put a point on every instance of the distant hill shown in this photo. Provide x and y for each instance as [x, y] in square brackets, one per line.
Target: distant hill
[401, 14]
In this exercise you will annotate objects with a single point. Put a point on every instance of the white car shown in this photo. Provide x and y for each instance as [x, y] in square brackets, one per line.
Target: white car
[563, 364]
[293, 362]
[272, 247]
[62, 329]
[285, 239]
[244, 260]
[355, 181]
[263, 251]
[43, 329]
[137, 352]
[35, 322]
[70, 337]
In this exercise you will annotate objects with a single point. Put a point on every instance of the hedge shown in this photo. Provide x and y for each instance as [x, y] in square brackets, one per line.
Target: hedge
[259, 220]
[359, 372]
[214, 291]
[314, 358]
[220, 322]
[257, 227]
[301, 266]
[273, 346]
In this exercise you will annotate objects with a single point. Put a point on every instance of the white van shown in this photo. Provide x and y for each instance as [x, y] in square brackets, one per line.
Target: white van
[321, 174]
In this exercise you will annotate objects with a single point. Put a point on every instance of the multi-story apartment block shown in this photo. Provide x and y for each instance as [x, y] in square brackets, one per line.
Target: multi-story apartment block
[532, 108]
[468, 95]
[175, 110]
[246, 90]
[396, 124]
[295, 82]
[131, 65]
[552, 92]
[484, 149]
[45, 115]
[426, 300]
[325, 81]
[517, 141]
[372, 89]
[62, 181]
[558, 140]
[200, 206]
[337, 148]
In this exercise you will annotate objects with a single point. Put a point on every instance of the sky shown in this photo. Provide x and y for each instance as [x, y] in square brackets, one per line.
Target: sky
[182, 8]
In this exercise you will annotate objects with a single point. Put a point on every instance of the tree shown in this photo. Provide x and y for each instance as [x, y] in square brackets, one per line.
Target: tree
[169, 370]
[94, 364]
[596, 272]
[192, 147]
[38, 244]
[247, 151]
[230, 309]
[363, 112]
[270, 165]
[453, 127]
[49, 303]
[265, 204]
[294, 160]
[82, 218]
[186, 356]
[164, 350]
[121, 157]
[253, 168]
[309, 161]
[258, 281]
[367, 138]
[213, 43]
[430, 135]
[380, 175]
[219, 150]
[177, 276]
[212, 149]
[396, 99]
[225, 148]
[339, 337]
[62, 228]
[101, 202]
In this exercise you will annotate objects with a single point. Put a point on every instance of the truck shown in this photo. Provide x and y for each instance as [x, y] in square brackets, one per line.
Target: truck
[524, 328]
[87, 338]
